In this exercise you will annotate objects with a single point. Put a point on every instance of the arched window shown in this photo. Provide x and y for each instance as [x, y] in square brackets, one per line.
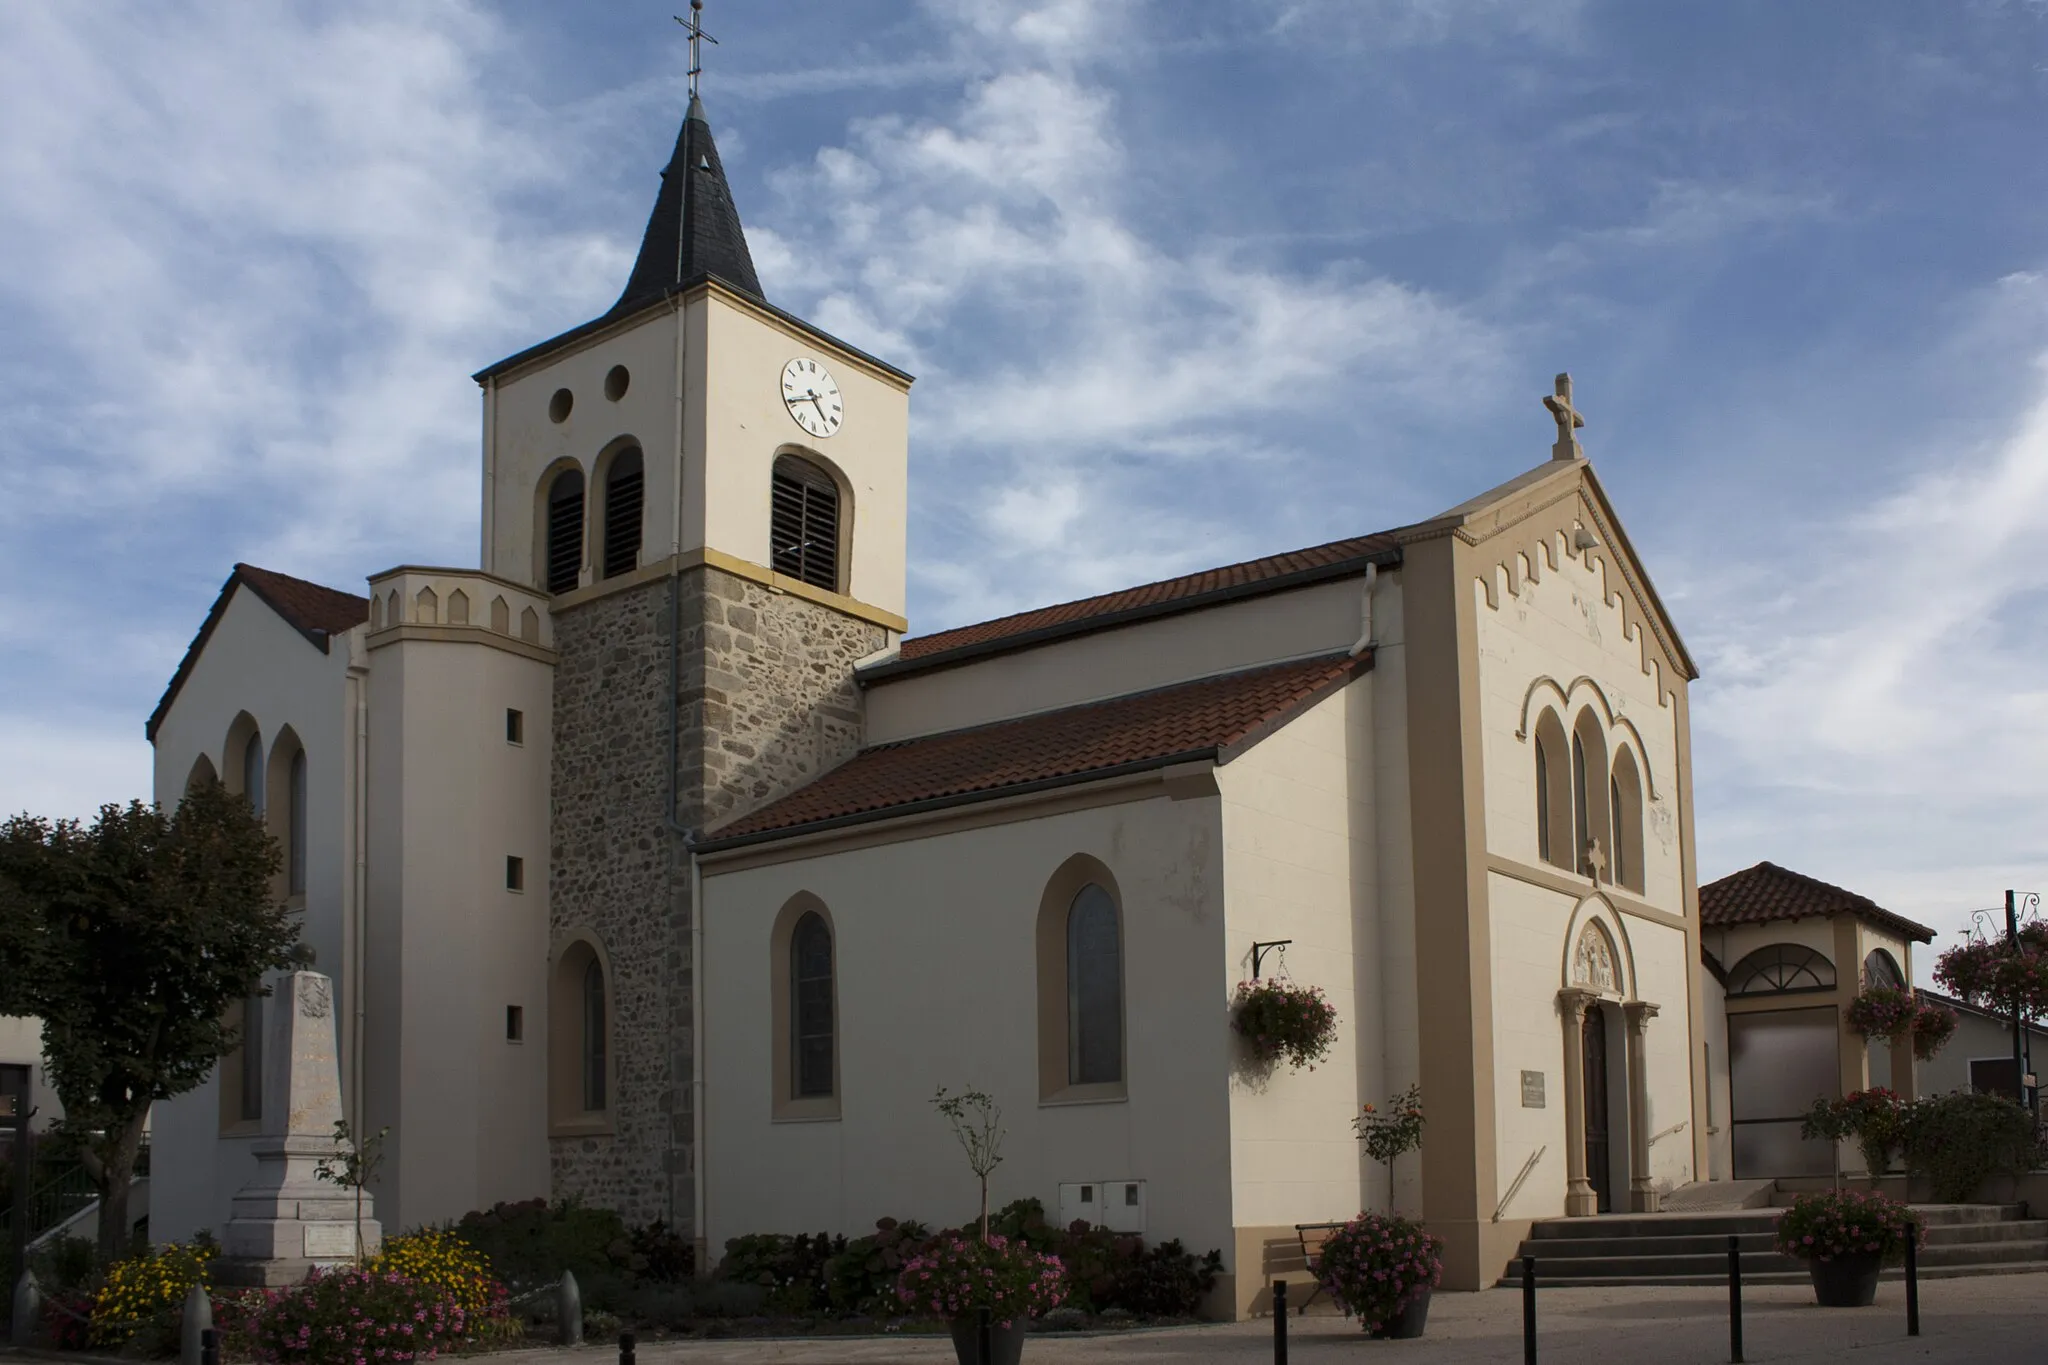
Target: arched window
[1553, 791]
[252, 772]
[810, 994]
[803, 531]
[1590, 818]
[593, 1039]
[1782, 968]
[201, 774]
[1880, 968]
[1095, 987]
[564, 562]
[1625, 797]
[295, 840]
[624, 487]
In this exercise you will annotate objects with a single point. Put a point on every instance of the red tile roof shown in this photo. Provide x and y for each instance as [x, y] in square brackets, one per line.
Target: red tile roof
[1213, 718]
[1767, 893]
[315, 612]
[1271, 574]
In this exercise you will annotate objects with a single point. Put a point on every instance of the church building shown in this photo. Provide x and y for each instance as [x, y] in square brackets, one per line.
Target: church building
[660, 866]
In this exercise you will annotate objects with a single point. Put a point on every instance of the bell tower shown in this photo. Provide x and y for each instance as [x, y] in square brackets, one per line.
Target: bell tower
[710, 495]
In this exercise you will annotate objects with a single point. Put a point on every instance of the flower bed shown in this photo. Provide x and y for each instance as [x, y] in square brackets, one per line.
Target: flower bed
[359, 1317]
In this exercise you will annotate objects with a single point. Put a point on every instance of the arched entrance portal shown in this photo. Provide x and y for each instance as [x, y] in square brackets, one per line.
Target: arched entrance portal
[1606, 1099]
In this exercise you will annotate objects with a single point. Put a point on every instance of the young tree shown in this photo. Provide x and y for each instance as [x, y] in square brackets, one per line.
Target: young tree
[977, 1123]
[130, 938]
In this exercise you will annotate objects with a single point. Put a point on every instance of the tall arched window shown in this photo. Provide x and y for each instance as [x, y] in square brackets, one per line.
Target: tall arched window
[593, 1038]
[564, 562]
[1553, 791]
[1625, 802]
[624, 488]
[803, 529]
[1095, 1006]
[252, 772]
[295, 841]
[810, 995]
[1591, 822]
[1880, 968]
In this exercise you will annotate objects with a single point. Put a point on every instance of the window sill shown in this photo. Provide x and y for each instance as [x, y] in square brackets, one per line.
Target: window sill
[806, 1111]
[598, 1125]
[1116, 1093]
[246, 1128]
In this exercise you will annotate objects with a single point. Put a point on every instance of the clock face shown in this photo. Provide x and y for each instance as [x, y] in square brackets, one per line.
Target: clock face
[812, 397]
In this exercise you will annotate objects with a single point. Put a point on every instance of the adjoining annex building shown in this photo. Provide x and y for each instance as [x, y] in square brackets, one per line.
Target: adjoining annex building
[659, 865]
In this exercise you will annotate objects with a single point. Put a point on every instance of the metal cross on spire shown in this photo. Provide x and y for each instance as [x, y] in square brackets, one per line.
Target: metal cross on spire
[698, 37]
[1569, 421]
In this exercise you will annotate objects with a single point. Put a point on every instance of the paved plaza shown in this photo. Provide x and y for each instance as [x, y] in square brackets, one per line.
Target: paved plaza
[1997, 1318]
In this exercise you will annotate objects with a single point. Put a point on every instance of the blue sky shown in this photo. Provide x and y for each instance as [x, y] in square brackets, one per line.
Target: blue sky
[1182, 283]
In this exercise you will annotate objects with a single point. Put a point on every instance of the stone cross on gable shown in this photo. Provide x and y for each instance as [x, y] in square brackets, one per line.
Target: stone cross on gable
[698, 37]
[1569, 420]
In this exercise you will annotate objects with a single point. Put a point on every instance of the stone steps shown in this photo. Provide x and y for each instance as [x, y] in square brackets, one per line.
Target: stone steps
[1692, 1248]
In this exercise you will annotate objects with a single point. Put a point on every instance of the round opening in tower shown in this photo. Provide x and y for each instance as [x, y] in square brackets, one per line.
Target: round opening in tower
[559, 405]
[615, 383]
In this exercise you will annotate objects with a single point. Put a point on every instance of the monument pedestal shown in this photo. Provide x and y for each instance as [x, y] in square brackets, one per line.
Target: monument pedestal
[287, 1220]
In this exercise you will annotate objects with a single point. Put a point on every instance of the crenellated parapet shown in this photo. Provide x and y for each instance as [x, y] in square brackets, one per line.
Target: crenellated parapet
[416, 602]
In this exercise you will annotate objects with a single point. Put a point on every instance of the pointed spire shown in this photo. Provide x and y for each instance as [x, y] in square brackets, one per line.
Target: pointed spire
[694, 230]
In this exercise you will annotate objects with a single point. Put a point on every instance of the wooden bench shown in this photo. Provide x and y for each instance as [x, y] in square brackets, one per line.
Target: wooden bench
[1312, 1236]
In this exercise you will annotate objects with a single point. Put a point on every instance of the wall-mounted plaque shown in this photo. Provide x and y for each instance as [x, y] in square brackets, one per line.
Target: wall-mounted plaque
[330, 1241]
[1532, 1090]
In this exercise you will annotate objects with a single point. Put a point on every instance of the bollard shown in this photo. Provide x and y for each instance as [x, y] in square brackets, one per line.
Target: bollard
[626, 1345]
[1528, 1310]
[28, 1309]
[1913, 1280]
[209, 1347]
[569, 1310]
[1735, 1299]
[198, 1320]
[984, 1340]
[1279, 1322]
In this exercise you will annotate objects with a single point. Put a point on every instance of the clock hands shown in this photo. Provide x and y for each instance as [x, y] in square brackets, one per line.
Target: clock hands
[808, 396]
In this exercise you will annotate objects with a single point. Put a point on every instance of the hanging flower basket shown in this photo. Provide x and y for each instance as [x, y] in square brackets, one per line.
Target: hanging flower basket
[1883, 1012]
[1280, 1019]
[1996, 973]
[1933, 1026]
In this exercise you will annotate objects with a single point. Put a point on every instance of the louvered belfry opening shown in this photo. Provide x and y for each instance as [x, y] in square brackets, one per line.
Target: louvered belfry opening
[805, 532]
[624, 492]
[565, 530]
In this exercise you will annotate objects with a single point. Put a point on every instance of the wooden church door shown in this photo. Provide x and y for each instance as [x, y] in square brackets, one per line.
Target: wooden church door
[1598, 1166]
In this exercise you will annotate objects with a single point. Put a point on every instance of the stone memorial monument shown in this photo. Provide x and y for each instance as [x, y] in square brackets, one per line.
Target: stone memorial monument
[287, 1220]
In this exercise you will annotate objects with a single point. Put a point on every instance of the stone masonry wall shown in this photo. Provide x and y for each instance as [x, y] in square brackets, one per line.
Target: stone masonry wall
[767, 701]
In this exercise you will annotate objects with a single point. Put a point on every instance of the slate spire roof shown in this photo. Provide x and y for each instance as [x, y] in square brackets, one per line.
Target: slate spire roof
[694, 230]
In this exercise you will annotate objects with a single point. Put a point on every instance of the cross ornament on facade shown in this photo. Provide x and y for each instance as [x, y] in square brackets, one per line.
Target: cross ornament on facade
[698, 37]
[1595, 859]
[1569, 420]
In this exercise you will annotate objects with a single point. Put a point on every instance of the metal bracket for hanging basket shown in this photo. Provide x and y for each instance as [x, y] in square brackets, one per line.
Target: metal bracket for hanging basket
[1259, 951]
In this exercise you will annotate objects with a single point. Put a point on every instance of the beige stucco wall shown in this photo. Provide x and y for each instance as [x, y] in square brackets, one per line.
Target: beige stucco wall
[253, 662]
[722, 437]
[937, 986]
[1304, 622]
[21, 1044]
[450, 947]
[1720, 1149]
[1558, 638]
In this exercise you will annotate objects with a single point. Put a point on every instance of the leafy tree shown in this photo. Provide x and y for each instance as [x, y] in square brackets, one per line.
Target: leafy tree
[130, 938]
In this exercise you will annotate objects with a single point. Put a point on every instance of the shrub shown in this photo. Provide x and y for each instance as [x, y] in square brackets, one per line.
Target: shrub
[531, 1243]
[356, 1316]
[1280, 1019]
[442, 1258]
[1962, 1139]
[862, 1277]
[791, 1270]
[143, 1291]
[1377, 1264]
[959, 1275]
[1875, 1118]
[1823, 1227]
[1166, 1281]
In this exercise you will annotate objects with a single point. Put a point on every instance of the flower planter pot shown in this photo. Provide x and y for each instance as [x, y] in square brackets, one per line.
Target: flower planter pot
[1846, 1281]
[1407, 1323]
[1006, 1343]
